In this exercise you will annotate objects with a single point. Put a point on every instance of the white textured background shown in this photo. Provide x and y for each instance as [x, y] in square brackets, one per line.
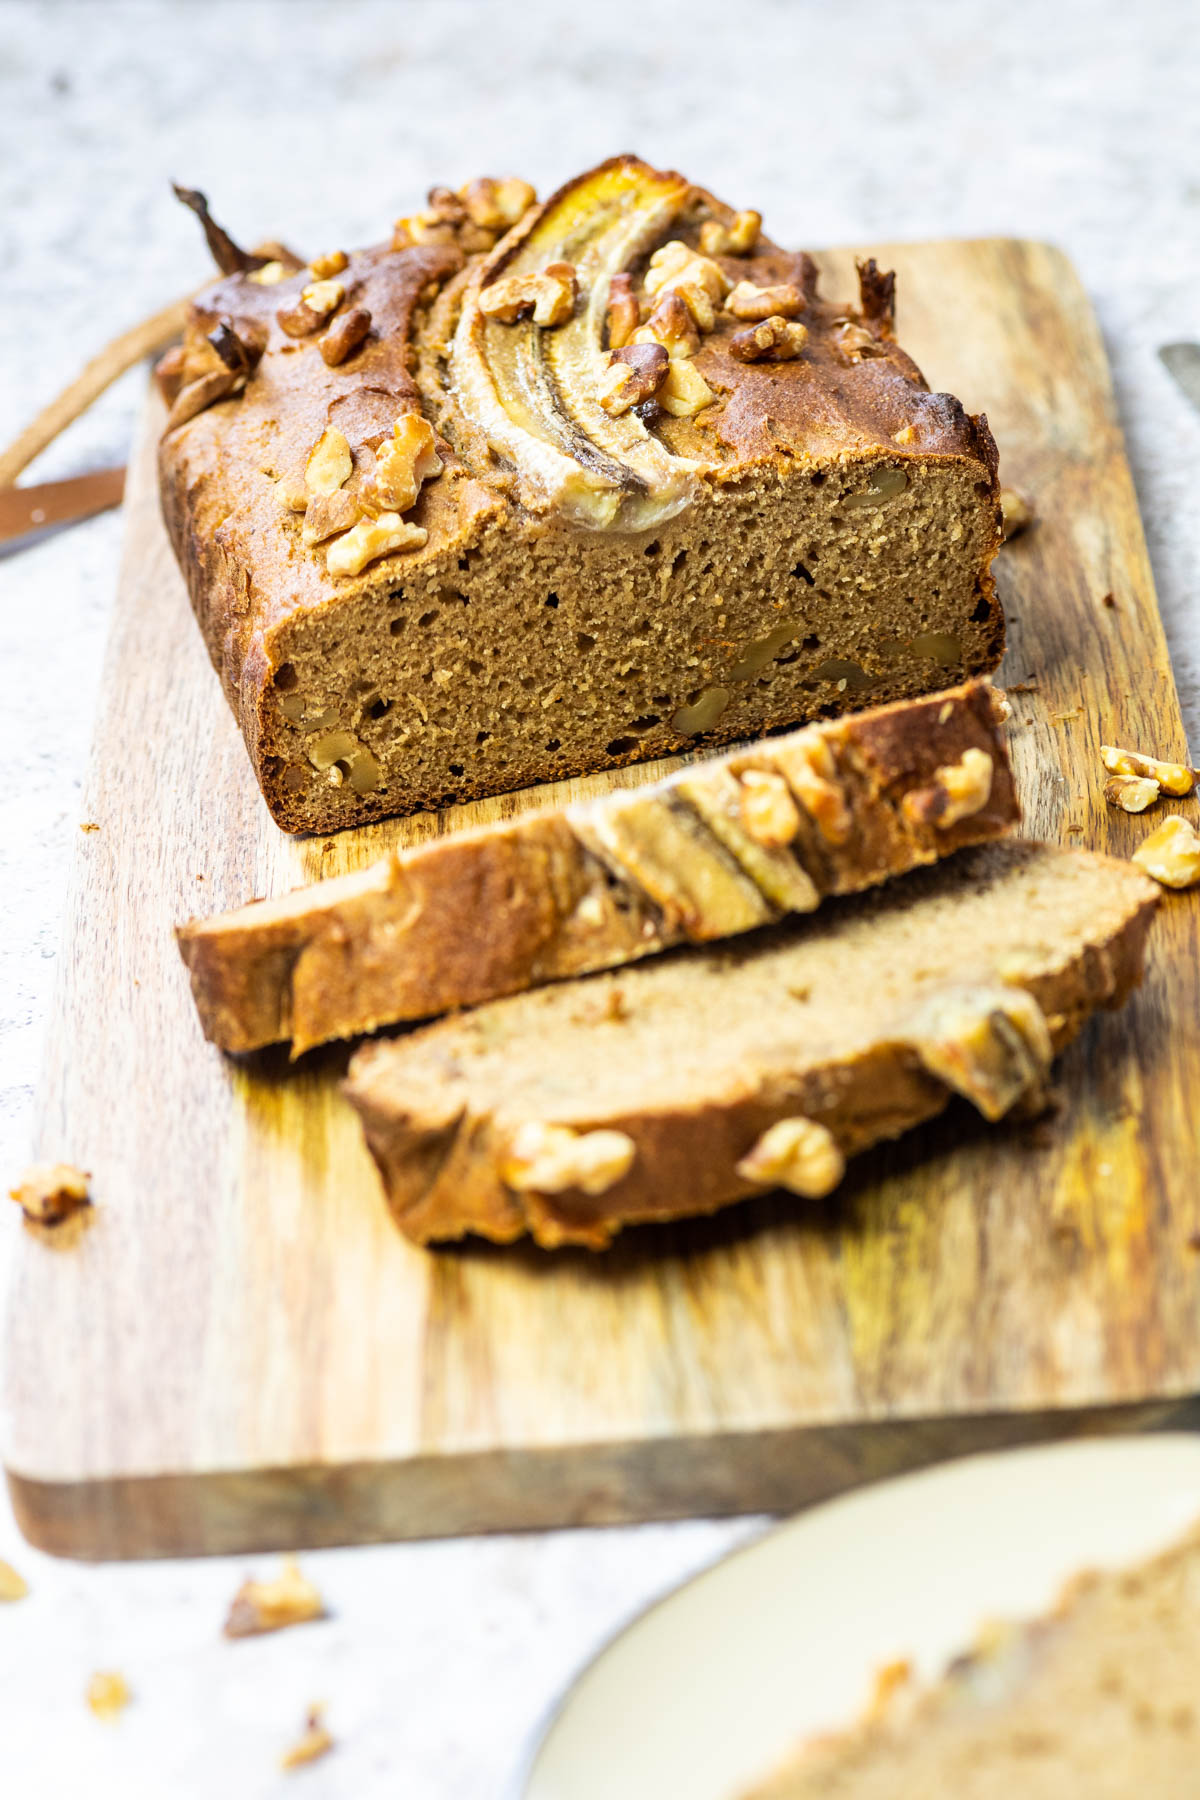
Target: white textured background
[318, 123]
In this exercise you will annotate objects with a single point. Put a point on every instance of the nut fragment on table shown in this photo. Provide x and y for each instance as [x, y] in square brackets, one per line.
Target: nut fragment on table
[546, 295]
[737, 238]
[313, 1742]
[258, 1606]
[108, 1694]
[798, 1154]
[545, 1159]
[1171, 854]
[1132, 793]
[48, 1193]
[1172, 778]
[773, 340]
[958, 791]
[635, 374]
[749, 302]
[12, 1585]
[1016, 513]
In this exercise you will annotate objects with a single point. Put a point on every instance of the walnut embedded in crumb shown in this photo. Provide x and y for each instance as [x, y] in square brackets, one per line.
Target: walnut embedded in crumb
[1171, 854]
[1173, 778]
[48, 1193]
[12, 1585]
[774, 340]
[798, 1154]
[315, 1741]
[1016, 513]
[1132, 793]
[108, 1694]
[258, 1606]
[546, 1159]
[546, 295]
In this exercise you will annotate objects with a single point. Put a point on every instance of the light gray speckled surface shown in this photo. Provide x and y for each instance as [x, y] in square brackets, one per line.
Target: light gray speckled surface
[319, 122]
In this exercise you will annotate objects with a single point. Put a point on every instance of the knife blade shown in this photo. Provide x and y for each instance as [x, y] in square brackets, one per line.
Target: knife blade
[1183, 362]
[28, 509]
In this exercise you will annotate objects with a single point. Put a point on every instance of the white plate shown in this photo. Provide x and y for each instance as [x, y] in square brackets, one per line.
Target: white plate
[706, 1691]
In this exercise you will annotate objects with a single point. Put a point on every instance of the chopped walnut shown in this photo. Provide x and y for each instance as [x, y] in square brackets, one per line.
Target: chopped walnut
[402, 464]
[700, 283]
[347, 334]
[108, 1694]
[299, 320]
[12, 1585]
[774, 340]
[853, 341]
[291, 1599]
[423, 228]
[1172, 778]
[332, 263]
[798, 1154]
[738, 238]
[370, 539]
[48, 1193]
[750, 302]
[327, 514]
[767, 808]
[548, 1158]
[270, 275]
[1016, 513]
[497, 205]
[635, 373]
[1171, 854]
[314, 1741]
[684, 390]
[958, 791]
[330, 463]
[548, 295]
[811, 774]
[323, 297]
[672, 326]
[623, 312]
[1132, 793]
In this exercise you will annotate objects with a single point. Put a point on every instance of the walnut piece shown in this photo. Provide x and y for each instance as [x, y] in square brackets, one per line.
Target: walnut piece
[684, 390]
[798, 1154]
[811, 774]
[497, 205]
[635, 373]
[108, 1694]
[327, 514]
[291, 1599]
[853, 341]
[402, 465]
[672, 326]
[958, 791]
[546, 1159]
[700, 283]
[1016, 513]
[332, 263]
[738, 238]
[750, 302]
[1132, 793]
[270, 274]
[330, 463]
[12, 1585]
[322, 297]
[767, 808]
[547, 295]
[1171, 854]
[1172, 778]
[313, 1742]
[370, 539]
[48, 1193]
[623, 311]
[989, 1042]
[774, 340]
[347, 334]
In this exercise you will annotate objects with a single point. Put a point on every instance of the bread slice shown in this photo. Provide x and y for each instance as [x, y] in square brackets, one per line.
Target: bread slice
[701, 1077]
[716, 849]
[1098, 1698]
[759, 543]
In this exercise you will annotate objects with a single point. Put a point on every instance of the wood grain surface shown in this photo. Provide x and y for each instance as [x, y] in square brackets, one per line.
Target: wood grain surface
[238, 1350]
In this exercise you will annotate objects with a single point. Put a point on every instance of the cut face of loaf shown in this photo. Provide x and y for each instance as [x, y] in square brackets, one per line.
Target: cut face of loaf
[561, 590]
[698, 1078]
[717, 849]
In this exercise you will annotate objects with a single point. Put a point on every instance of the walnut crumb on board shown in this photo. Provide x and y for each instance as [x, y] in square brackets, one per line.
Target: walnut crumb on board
[1171, 854]
[291, 1599]
[88, 825]
[313, 1742]
[108, 1694]
[12, 1585]
[48, 1193]
[1173, 778]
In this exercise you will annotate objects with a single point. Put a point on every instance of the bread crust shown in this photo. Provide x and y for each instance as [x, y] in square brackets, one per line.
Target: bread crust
[442, 1137]
[403, 939]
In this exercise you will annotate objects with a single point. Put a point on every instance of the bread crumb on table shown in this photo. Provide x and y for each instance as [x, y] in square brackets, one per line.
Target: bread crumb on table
[48, 1193]
[108, 1694]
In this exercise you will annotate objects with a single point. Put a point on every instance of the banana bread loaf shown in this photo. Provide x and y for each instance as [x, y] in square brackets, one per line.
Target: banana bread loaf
[714, 850]
[702, 1076]
[541, 489]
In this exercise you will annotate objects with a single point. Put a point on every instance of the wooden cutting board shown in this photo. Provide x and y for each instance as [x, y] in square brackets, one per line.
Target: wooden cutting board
[236, 1349]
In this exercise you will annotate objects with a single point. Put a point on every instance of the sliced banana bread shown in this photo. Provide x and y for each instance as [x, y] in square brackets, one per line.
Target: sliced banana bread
[1096, 1699]
[716, 849]
[702, 1076]
[470, 511]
